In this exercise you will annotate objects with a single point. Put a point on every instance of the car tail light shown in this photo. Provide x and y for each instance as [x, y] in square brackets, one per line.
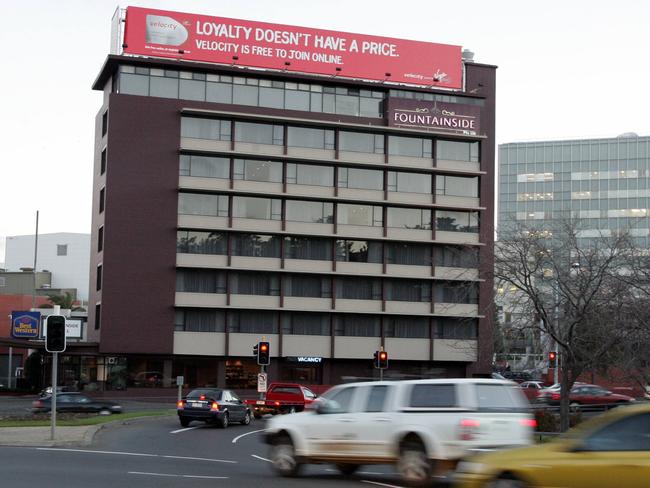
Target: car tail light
[277, 404]
[180, 404]
[528, 423]
[202, 397]
[469, 429]
[555, 396]
[214, 406]
[37, 404]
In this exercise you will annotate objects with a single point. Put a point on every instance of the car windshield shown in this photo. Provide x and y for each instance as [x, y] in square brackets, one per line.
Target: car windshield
[205, 393]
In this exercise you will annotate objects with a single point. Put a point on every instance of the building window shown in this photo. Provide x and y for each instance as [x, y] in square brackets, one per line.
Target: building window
[99, 278]
[213, 129]
[354, 288]
[254, 322]
[409, 182]
[453, 328]
[296, 247]
[359, 251]
[409, 146]
[313, 212]
[362, 179]
[200, 281]
[102, 167]
[409, 218]
[198, 320]
[451, 221]
[408, 290]
[259, 133]
[197, 242]
[192, 86]
[311, 138]
[456, 293]
[3, 281]
[300, 285]
[102, 197]
[164, 83]
[457, 186]
[467, 152]
[457, 257]
[202, 204]
[310, 174]
[243, 283]
[265, 246]
[61, 249]
[256, 208]
[204, 166]
[104, 123]
[366, 215]
[407, 327]
[306, 323]
[100, 239]
[98, 316]
[361, 142]
[410, 254]
[357, 325]
[257, 170]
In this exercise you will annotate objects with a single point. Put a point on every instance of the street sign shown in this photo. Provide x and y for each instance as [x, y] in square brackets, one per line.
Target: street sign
[180, 380]
[261, 382]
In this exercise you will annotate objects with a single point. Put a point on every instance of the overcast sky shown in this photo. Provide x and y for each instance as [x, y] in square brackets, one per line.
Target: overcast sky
[567, 69]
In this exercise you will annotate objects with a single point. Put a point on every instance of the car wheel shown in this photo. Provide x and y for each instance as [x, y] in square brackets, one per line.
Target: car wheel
[247, 419]
[283, 457]
[292, 410]
[506, 481]
[347, 469]
[223, 423]
[104, 411]
[574, 406]
[413, 464]
[184, 422]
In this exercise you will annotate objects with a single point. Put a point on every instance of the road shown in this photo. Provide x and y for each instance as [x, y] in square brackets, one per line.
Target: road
[157, 452]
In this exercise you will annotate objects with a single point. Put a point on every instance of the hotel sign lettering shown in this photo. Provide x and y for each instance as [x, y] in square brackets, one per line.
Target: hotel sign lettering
[452, 118]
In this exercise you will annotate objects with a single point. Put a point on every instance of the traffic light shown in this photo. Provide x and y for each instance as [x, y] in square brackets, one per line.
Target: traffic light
[263, 353]
[381, 359]
[55, 338]
[552, 359]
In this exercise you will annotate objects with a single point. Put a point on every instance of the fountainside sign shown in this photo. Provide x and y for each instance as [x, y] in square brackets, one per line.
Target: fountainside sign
[452, 118]
[194, 37]
[25, 325]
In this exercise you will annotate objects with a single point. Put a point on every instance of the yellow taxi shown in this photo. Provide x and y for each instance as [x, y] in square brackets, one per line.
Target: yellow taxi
[608, 451]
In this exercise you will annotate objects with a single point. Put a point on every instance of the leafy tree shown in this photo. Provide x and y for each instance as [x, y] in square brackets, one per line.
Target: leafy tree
[65, 301]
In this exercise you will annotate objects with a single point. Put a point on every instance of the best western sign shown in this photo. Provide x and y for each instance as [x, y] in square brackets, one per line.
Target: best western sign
[452, 118]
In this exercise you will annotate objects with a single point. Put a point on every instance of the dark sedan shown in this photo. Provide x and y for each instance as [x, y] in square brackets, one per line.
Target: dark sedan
[213, 405]
[584, 394]
[76, 402]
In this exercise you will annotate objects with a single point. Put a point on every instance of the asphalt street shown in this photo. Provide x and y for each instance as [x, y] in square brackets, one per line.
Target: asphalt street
[158, 452]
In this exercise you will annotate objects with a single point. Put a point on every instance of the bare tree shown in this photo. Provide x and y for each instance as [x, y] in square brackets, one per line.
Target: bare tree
[570, 289]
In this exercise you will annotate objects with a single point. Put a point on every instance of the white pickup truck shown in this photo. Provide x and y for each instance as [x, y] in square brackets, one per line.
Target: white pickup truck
[422, 426]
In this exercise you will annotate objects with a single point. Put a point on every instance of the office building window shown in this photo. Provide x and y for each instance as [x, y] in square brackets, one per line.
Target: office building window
[408, 290]
[357, 325]
[407, 327]
[104, 123]
[411, 254]
[362, 179]
[453, 292]
[61, 249]
[257, 170]
[199, 320]
[352, 214]
[191, 86]
[307, 248]
[310, 174]
[257, 208]
[409, 218]
[457, 186]
[99, 277]
[452, 221]
[259, 133]
[164, 83]
[257, 322]
[202, 204]
[354, 288]
[409, 146]
[200, 281]
[457, 256]
[306, 323]
[457, 151]
[265, 246]
[456, 328]
[361, 142]
[100, 239]
[201, 242]
[102, 167]
[311, 138]
[214, 129]
[359, 251]
[204, 166]
[98, 316]
[300, 285]
[315, 212]
[102, 196]
[409, 182]
[243, 283]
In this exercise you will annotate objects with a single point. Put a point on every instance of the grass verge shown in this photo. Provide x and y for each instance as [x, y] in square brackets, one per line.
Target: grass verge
[91, 420]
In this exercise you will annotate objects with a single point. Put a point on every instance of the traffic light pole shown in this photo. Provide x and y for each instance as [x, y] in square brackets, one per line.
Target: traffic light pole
[55, 364]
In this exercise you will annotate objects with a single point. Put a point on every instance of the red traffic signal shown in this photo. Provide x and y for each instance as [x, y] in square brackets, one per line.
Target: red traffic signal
[381, 359]
[552, 359]
[263, 353]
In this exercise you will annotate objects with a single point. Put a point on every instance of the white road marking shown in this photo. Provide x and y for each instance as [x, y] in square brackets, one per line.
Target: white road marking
[380, 484]
[185, 429]
[205, 477]
[201, 459]
[179, 475]
[153, 474]
[137, 454]
[247, 433]
[260, 457]
[357, 472]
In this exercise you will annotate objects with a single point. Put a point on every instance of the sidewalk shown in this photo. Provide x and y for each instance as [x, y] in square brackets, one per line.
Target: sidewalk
[40, 436]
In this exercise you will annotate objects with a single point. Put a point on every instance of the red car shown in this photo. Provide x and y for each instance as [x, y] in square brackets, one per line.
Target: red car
[532, 389]
[283, 398]
[584, 394]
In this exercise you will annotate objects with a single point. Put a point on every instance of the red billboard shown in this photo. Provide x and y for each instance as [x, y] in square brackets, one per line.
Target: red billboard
[203, 38]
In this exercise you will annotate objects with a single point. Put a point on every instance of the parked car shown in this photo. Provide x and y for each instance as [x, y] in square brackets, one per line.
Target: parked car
[422, 426]
[518, 376]
[213, 405]
[531, 389]
[283, 398]
[76, 402]
[585, 394]
[612, 449]
[148, 379]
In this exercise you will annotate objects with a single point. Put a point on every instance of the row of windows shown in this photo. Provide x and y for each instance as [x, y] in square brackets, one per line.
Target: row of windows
[586, 175]
[323, 212]
[268, 322]
[317, 248]
[610, 194]
[587, 150]
[316, 138]
[320, 286]
[588, 214]
[271, 171]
